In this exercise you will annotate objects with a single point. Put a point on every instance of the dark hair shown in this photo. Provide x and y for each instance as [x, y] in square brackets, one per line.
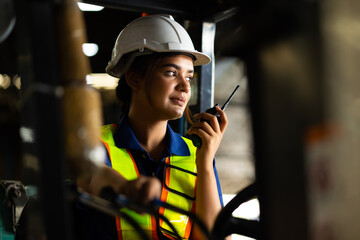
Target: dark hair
[141, 65]
[123, 91]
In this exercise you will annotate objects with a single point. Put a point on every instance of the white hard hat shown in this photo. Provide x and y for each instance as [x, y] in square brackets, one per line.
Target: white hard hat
[145, 35]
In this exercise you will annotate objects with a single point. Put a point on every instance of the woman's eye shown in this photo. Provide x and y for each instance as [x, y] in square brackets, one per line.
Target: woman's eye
[170, 73]
[190, 78]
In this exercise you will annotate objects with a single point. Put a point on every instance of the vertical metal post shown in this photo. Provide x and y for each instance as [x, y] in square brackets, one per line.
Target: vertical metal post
[207, 73]
[48, 211]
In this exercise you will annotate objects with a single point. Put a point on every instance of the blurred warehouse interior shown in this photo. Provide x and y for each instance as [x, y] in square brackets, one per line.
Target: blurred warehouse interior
[294, 124]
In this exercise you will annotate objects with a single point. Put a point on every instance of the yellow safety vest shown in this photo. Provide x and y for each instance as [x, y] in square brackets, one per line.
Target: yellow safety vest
[179, 180]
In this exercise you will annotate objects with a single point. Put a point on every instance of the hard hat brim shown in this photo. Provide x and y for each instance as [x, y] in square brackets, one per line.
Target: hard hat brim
[116, 71]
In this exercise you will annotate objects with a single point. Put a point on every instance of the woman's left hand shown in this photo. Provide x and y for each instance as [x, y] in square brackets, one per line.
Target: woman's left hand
[211, 132]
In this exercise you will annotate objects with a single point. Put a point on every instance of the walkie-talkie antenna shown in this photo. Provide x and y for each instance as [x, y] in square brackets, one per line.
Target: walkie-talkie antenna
[195, 138]
[229, 99]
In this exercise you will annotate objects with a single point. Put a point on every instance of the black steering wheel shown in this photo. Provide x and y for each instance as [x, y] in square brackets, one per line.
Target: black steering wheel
[226, 224]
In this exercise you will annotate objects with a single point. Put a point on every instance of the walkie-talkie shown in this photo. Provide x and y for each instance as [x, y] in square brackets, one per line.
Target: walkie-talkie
[195, 138]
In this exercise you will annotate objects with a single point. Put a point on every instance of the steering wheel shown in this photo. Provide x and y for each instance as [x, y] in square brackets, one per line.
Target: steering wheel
[226, 224]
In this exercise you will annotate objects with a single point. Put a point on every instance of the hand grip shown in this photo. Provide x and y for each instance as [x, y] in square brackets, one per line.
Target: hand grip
[195, 138]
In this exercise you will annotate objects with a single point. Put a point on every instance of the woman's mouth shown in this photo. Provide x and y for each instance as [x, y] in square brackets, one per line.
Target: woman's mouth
[178, 101]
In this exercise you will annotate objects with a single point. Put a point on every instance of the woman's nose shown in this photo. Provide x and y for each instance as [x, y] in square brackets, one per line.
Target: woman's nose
[183, 85]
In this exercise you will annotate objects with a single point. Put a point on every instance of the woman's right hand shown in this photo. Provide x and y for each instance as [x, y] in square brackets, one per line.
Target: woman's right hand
[141, 190]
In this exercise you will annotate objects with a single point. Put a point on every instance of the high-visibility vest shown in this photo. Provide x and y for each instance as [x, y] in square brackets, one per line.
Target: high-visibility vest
[179, 180]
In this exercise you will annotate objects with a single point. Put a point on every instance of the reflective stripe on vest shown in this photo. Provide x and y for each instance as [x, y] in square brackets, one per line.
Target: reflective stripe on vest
[175, 179]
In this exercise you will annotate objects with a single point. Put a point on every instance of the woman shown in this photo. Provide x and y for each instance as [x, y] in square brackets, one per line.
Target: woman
[154, 58]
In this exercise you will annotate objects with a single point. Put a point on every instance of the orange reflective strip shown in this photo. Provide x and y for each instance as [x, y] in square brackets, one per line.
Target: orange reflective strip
[118, 228]
[169, 236]
[108, 148]
[133, 161]
[164, 194]
[153, 229]
[190, 222]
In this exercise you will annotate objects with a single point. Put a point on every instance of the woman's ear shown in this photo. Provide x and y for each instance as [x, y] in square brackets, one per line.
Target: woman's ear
[133, 79]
